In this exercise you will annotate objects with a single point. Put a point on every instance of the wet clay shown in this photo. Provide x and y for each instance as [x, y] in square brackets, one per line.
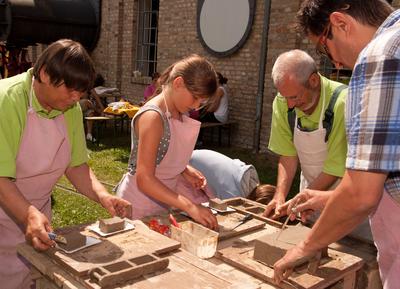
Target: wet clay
[268, 249]
[111, 225]
[218, 204]
[75, 240]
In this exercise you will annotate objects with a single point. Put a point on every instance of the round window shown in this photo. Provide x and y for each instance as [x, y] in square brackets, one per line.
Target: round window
[224, 25]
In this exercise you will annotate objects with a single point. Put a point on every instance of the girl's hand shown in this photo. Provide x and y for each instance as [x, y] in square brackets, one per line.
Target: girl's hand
[194, 177]
[203, 216]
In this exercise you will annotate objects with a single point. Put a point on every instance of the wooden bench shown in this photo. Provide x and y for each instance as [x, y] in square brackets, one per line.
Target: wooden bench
[220, 126]
[100, 123]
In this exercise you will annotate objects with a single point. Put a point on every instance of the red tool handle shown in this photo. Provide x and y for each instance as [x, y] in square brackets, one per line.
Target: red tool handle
[173, 221]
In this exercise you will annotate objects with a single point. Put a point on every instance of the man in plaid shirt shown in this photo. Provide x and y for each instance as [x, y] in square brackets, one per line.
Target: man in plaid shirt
[363, 35]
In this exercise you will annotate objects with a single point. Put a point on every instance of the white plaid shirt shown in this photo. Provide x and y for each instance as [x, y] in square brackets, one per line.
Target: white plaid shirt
[373, 107]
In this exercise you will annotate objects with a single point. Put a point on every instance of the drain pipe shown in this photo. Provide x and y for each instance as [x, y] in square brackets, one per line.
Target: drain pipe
[261, 75]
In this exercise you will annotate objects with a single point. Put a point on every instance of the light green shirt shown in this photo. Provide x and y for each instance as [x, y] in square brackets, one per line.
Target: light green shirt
[281, 139]
[14, 102]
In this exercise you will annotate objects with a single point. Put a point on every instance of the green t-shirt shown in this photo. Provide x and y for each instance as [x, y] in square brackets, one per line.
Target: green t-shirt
[14, 102]
[281, 139]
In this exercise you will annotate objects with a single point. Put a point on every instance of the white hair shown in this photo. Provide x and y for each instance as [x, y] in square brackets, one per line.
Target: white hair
[296, 63]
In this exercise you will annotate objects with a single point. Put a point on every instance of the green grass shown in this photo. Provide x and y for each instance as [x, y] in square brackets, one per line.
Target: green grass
[109, 162]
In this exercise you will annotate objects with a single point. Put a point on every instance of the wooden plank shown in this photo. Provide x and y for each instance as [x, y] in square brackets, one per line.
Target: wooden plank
[47, 268]
[228, 221]
[120, 247]
[180, 274]
[241, 282]
[349, 281]
[184, 271]
[332, 270]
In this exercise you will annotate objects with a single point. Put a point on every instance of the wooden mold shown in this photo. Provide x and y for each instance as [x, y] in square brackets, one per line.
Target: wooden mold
[125, 271]
[246, 206]
[228, 221]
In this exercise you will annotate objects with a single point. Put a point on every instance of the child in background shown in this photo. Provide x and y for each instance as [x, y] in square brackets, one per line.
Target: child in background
[217, 111]
[91, 105]
[151, 88]
[163, 138]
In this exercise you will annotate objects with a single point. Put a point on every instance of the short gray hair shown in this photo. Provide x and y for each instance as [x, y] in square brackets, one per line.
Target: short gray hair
[297, 63]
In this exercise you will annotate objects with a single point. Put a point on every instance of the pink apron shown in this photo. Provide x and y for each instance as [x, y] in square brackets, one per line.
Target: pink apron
[183, 139]
[385, 227]
[44, 155]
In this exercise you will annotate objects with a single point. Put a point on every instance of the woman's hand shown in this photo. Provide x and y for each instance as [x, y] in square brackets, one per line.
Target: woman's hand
[37, 228]
[116, 206]
[194, 177]
[203, 216]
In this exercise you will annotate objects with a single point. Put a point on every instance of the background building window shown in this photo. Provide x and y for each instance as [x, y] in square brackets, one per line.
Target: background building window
[146, 48]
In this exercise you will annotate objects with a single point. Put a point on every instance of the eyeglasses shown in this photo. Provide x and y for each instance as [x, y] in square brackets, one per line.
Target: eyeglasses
[321, 48]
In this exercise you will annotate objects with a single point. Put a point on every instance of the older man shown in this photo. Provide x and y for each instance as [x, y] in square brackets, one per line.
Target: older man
[41, 139]
[365, 36]
[307, 127]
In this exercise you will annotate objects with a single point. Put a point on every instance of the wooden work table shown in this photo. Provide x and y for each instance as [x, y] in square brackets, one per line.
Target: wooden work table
[184, 270]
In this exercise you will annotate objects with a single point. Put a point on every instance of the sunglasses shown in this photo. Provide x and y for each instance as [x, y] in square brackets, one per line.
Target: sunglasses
[321, 48]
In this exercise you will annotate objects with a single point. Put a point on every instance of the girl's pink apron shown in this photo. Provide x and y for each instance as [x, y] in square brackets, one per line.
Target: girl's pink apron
[385, 227]
[183, 139]
[44, 155]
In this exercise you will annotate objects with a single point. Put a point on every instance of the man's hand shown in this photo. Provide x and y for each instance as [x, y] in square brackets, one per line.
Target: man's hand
[37, 228]
[305, 203]
[274, 208]
[194, 177]
[116, 206]
[283, 268]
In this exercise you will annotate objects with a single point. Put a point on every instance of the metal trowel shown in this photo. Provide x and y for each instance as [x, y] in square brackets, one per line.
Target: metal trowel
[58, 238]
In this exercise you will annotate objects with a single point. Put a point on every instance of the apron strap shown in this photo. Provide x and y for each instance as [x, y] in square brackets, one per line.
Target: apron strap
[328, 118]
[31, 92]
[329, 114]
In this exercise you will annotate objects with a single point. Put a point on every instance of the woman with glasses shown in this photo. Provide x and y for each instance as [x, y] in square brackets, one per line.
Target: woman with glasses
[163, 138]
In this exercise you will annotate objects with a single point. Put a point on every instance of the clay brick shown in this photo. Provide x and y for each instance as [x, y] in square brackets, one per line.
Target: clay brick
[218, 204]
[111, 225]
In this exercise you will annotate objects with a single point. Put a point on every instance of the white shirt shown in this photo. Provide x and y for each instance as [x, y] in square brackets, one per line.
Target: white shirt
[221, 114]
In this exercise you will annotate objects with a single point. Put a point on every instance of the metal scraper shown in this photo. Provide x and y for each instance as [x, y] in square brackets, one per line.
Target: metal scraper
[58, 238]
